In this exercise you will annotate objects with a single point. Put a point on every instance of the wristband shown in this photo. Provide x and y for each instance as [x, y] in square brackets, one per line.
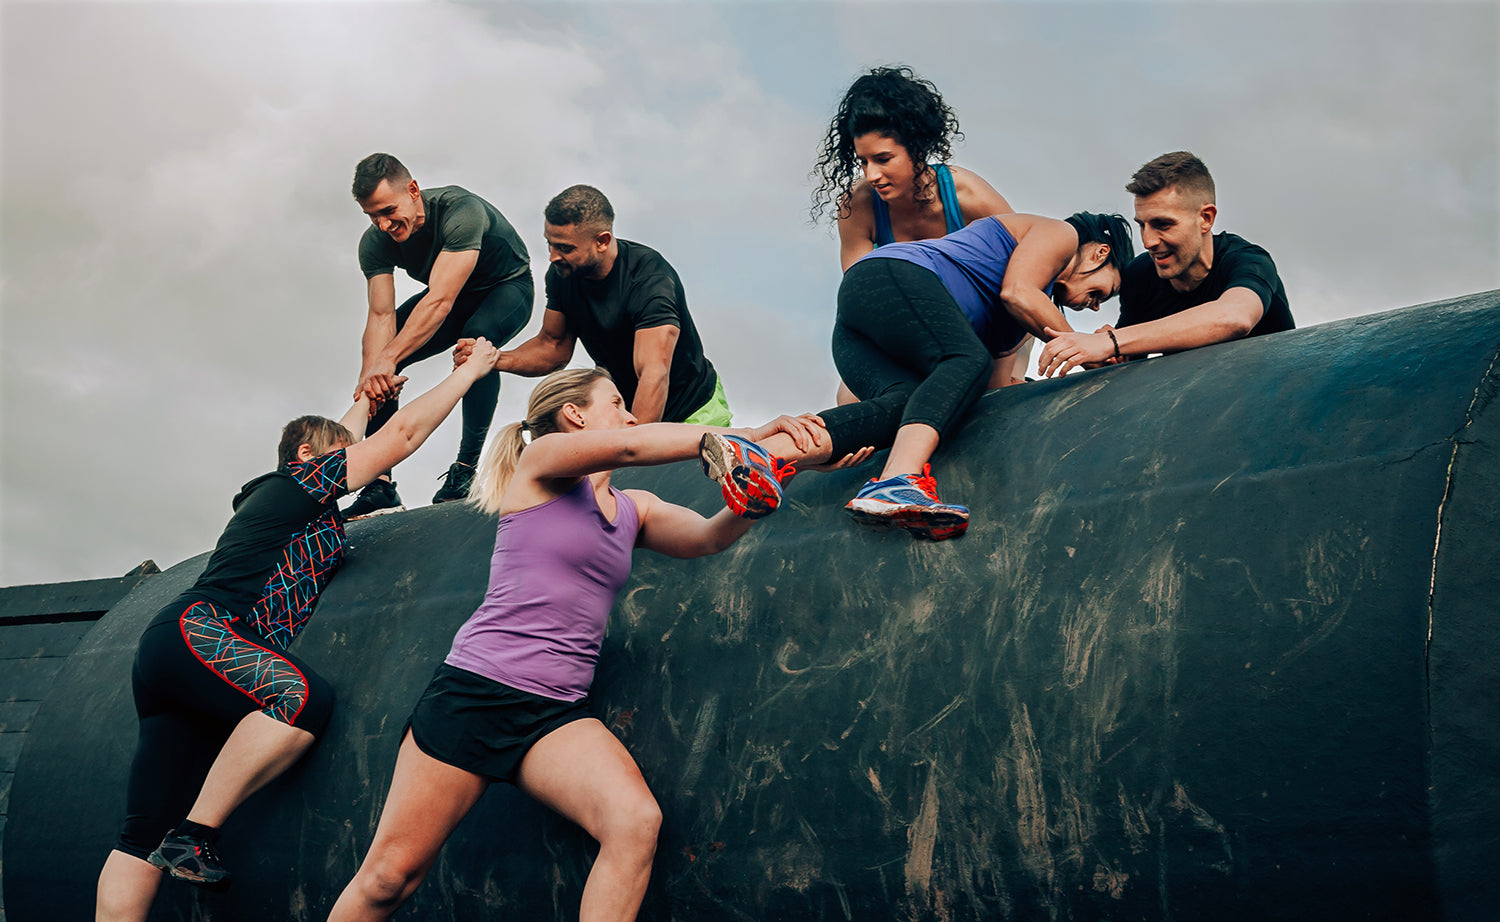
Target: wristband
[1115, 341]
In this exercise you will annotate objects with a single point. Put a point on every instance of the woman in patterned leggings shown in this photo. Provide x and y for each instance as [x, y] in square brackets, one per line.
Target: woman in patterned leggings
[223, 707]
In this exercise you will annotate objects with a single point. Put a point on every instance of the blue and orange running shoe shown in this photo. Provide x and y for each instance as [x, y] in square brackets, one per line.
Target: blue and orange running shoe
[750, 476]
[909, 501]
[191, 859]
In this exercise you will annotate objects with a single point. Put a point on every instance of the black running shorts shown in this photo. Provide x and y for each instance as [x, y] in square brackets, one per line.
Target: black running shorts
[482, 726]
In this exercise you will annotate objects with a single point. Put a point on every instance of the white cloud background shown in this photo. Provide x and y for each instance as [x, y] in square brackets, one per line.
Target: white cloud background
[177, 241]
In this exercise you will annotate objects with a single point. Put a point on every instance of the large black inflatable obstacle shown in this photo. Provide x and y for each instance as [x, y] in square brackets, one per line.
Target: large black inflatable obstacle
[1219, 644]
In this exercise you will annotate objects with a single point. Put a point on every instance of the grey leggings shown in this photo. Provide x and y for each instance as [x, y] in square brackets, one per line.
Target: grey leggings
[904, 347]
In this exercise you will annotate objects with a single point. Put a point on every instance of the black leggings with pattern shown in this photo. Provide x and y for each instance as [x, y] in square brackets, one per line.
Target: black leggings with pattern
[197, 673]
[905, 348]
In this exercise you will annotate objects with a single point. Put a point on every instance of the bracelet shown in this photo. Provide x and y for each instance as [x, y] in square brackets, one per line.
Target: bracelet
[1115, 341]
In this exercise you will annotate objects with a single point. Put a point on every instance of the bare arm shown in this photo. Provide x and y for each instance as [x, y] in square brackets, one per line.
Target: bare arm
[677, 531]
[1043, 248]
[1231, 316]
[449, 273]
[857, 230]
[413, 423]
[652, 356]
[550, 349]
[380, 329]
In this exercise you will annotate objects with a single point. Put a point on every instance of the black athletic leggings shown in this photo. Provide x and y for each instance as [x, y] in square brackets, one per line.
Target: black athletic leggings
[905, 348]
[197, 674]
[498, 315]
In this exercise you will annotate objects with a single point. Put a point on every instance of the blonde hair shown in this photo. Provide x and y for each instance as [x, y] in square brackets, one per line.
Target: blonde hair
[498, 466]
[318, 433]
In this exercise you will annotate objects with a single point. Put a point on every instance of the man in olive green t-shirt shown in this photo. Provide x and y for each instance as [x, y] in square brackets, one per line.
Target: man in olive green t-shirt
[478, 279]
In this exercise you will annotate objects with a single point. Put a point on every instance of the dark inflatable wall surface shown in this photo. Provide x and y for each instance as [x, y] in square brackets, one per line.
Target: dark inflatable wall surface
[1219, 644]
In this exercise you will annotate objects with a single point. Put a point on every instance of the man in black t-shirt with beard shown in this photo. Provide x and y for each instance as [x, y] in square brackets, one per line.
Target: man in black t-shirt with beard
[1191, 287]
[627, 305]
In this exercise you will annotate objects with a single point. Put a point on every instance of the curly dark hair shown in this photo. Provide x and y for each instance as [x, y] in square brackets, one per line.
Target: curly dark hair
[893, 101]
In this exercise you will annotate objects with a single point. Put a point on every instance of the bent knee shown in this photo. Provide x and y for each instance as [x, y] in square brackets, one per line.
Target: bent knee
[388, 882]
[635, 824]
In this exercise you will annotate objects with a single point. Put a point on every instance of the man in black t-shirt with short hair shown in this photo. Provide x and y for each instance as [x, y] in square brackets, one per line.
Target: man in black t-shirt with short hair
[627, 305]
[1191, 287]
[478, 280]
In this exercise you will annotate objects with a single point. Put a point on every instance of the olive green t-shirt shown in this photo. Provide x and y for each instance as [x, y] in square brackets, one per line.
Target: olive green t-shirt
[457, 220]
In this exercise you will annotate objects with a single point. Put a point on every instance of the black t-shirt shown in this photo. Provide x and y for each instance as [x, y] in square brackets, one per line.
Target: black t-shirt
[641, 291]
[456, 221]
[1238, 263]
[280, 548]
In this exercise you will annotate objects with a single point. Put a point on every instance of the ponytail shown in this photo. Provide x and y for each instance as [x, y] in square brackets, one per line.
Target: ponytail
[503, 456]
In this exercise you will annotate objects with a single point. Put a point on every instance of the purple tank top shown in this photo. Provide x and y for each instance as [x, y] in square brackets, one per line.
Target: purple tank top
[554, 576]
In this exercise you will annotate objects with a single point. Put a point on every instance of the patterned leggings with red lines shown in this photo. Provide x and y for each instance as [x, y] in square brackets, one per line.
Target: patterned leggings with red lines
[197, 674]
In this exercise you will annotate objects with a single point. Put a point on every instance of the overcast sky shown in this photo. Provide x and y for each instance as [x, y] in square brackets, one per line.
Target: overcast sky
[178, 266]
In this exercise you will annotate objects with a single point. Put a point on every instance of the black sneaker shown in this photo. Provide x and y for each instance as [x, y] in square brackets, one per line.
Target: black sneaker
[191, 859]
[456, 484]
[379, 497]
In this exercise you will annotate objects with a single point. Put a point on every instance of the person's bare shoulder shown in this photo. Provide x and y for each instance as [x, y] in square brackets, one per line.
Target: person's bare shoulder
[976, 197]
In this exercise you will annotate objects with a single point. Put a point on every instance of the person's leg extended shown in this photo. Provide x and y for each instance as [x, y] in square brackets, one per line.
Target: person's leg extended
[583, 772]
[498, 316]
[427, 800]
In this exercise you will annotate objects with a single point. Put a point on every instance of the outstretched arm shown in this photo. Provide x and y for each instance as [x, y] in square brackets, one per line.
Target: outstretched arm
[449, 273]
[413, 423]
[1232, 316]
[677, 531]
[550, 349]
[577, 454]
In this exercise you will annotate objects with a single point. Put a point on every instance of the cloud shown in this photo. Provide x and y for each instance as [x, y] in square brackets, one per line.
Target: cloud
[177, 241]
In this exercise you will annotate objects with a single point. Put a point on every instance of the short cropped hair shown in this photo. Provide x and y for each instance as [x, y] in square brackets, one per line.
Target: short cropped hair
[582, 205]
[371, 171]
[1179, 169]
[318, 433]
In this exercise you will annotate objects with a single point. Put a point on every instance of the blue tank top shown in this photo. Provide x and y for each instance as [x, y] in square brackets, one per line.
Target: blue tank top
[556, 570]
[947, 194]
[970, 262]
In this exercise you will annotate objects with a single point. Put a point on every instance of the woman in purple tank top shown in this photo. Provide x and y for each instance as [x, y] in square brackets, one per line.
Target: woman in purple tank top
[510, 702]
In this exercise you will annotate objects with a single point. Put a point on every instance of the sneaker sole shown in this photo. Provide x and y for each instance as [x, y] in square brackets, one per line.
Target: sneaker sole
[919, 521]
[367, 515]
[157, 861]
[742, 484]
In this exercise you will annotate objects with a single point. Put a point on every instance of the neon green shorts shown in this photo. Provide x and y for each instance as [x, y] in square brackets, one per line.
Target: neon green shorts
[715, 412]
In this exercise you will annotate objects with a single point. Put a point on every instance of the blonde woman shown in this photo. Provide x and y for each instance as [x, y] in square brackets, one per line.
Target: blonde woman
[510, 703]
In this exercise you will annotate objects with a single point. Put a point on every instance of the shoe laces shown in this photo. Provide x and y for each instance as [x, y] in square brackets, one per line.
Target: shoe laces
[782, 470]
[925, 482]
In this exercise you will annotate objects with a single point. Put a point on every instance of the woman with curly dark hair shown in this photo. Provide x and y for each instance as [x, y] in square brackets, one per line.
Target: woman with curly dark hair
[884, 176]
[884, 168]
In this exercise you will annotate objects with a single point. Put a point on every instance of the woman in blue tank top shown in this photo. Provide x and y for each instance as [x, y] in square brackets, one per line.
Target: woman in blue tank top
[888, 127]
[510, 702]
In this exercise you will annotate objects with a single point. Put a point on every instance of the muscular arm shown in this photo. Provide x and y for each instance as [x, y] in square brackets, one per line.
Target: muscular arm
[1043, 248]
[680, 532]
[380, 329]
[652, 356]
[1232, 316]
[449, 273]
[550, 349]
